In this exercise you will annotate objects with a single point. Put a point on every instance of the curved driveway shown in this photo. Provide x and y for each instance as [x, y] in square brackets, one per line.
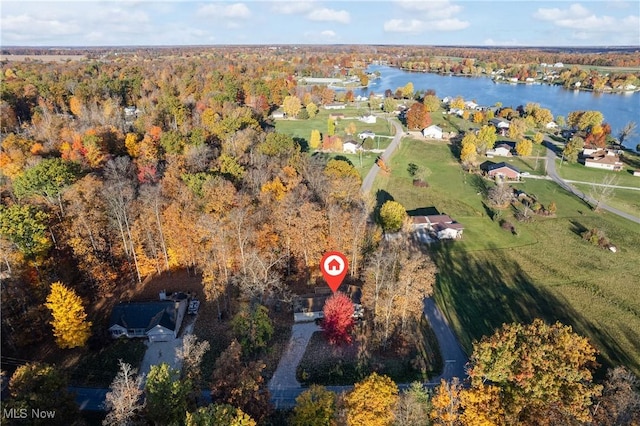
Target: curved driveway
[553, 174]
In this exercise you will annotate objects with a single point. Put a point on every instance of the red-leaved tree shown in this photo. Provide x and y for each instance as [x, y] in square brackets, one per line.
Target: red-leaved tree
[338, 319]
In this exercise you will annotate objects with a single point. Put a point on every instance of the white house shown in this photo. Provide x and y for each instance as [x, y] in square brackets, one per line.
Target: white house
[335, 105]
[610, 161]
[470, 105]
[279, 113]
[349, 147]
[441, 226]
[433, 132]
[366, 134]
[502, 150]
[551, 125]
[369, 119]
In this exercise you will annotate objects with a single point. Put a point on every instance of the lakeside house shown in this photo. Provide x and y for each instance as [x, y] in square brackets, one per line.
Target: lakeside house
[369, 119]
[335, 105]
[279, 113]
[501, 125]
[350, 147]
[603, 159]
[366, 134]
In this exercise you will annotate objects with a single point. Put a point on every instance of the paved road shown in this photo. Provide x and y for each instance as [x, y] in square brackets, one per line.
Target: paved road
[367, 183]
[551, 171]
[453, 357]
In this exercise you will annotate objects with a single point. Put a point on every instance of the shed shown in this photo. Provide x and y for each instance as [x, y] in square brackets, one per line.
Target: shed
[433, 132]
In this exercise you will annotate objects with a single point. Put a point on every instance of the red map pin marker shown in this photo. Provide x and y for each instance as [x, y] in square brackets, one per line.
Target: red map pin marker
[334, 267]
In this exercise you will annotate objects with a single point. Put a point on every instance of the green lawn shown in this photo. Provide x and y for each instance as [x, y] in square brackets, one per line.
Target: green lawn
[492, 276]
[581, 173]
[626, 200]
[302, 128]
[363, 163]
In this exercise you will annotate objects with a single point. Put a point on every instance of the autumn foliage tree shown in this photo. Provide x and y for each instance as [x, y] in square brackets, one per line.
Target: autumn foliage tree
[40, 387]
[240, 384]
[418, 116]
[314, 407]
[372, 402]
[70, 325]
[338, 319]
[392, 216]
[543, 372]
[219, 414]
[524, 147]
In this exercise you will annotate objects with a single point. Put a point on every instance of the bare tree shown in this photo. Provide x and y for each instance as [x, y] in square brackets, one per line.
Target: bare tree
[123, 401]
[191, 355]
[627, 131]
[119, 194]
[500, 195]
[603, 191]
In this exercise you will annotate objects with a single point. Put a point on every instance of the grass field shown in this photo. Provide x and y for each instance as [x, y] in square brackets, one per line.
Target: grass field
[626, 200]
[302, 129]
[581, 173]
[547, 270]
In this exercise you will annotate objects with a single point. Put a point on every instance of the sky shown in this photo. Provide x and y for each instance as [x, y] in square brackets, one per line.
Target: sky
[425, 22]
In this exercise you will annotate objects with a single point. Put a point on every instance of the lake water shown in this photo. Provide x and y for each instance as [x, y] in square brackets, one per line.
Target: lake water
[618, 109]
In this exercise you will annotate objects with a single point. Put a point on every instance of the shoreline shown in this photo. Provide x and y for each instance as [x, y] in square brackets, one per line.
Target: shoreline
[535, 82]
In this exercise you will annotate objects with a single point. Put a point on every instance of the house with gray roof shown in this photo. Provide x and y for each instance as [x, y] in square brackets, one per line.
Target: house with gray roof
[157, 321]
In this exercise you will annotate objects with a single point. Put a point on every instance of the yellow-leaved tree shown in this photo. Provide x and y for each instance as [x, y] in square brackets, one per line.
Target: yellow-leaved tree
[315, 140]
[372, 402]
[70, 325]
[524, 147]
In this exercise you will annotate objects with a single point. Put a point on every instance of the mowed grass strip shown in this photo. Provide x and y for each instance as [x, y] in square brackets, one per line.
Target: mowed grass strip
[626, 200]
[547, 270]
[577, 171]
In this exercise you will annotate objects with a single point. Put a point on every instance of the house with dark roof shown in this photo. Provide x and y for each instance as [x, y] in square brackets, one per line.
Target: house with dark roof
[502, 170]
[157, 321]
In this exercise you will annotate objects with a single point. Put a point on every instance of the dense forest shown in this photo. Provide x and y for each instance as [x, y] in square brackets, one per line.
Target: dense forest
[133, 162]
